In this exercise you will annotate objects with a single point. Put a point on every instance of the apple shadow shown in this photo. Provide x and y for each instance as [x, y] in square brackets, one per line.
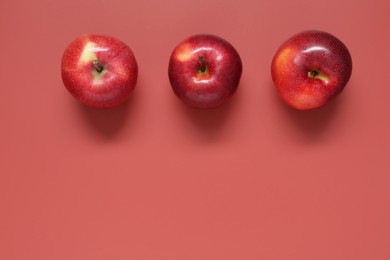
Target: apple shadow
[209, 122]
[108, 122]
[311, 123]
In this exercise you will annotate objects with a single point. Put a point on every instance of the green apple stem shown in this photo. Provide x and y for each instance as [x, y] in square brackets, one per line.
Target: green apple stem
[202, 62]
[98, 67]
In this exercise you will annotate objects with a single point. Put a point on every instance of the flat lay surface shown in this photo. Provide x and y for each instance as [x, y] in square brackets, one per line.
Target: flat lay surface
[155, 179]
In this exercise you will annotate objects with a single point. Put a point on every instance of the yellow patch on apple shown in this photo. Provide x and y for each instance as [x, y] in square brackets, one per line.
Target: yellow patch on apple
[88, 54]
[184, 53]
[282, 57]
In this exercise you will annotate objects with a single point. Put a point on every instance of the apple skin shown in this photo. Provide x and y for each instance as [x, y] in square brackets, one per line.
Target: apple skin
[99, 71]
[310, 69]
[204, 71]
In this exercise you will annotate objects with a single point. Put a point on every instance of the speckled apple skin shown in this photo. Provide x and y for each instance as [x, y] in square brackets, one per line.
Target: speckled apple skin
[302, 53]
[105, 90]
[217, 84]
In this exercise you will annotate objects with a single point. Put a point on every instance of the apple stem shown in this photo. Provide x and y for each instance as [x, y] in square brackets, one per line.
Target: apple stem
[98, 66]
[202, 62]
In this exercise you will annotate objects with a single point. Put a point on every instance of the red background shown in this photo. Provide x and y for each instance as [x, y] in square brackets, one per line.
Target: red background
[154, 179]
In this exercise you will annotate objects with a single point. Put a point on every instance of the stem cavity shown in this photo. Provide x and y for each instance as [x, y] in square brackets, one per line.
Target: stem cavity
[202, 63]
[98, 67]
[313, 73]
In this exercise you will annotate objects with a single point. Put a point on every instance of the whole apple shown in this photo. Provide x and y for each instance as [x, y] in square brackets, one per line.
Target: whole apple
[204, 70]
[310, 69]
[100, 71]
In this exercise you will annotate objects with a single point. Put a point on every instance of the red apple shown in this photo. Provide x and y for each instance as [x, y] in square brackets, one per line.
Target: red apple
[99, 71]
[310, 69]
[204, 71]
